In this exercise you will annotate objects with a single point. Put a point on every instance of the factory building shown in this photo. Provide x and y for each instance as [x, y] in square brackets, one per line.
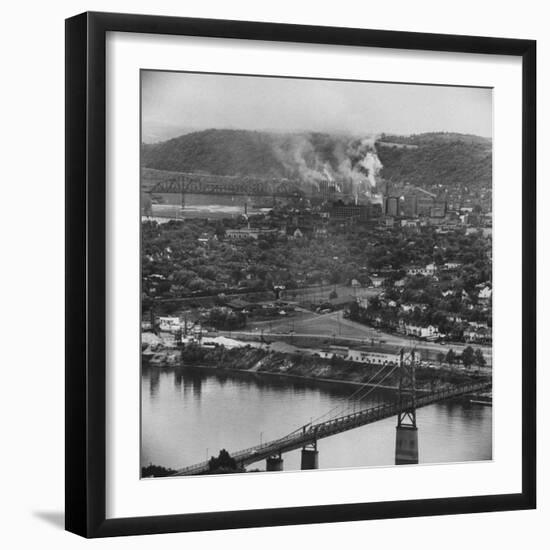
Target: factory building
[327, 189]
[410, 207]
[419, 202]
[438, 210]
[358, 212]
[391, 206]
[248, 233]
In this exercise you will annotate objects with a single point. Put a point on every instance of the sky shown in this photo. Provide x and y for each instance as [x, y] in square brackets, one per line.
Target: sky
[177, 101]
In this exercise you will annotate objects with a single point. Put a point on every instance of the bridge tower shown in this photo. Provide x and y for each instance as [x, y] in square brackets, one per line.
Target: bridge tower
[406, 439]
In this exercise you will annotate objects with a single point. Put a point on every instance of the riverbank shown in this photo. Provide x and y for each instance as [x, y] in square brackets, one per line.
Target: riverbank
[304, 367]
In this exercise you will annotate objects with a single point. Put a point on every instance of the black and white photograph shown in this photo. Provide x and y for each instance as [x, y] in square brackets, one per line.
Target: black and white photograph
[274, 275]
[316, 274]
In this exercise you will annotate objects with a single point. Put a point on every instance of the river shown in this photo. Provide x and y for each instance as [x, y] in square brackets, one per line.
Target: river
[189, 414]
[209, 206]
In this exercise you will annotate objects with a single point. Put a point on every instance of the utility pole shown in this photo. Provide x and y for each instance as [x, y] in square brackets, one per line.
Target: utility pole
[152, 316]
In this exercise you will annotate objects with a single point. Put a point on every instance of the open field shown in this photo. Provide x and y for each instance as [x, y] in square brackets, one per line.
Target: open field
[327, 325]
[302, 296]
[322, 293]
[333, 326]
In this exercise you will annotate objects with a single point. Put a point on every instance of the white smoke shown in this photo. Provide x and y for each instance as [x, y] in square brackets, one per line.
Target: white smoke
[330, 178]
[371, 163]
[300, 159]
[355, 161]
[363, 166]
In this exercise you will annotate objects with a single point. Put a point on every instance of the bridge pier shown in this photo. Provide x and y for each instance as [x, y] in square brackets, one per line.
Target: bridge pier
[274, 464]
[406, 444]
[310, 458]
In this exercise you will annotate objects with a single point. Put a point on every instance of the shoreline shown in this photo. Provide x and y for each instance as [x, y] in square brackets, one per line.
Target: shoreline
[289, 376]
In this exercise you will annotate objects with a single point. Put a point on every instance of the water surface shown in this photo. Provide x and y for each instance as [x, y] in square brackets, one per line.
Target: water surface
[190, 414]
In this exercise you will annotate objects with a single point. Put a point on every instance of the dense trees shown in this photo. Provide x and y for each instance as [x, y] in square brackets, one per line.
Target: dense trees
[479, 358]
[468, 357]
[225, 319]
[451, 357]
[156, 471]
[189, 266]
[224, 462]
[175, 264]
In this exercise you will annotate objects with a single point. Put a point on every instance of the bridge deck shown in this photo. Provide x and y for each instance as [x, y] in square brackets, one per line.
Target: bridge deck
[301, 437]
[158, 181]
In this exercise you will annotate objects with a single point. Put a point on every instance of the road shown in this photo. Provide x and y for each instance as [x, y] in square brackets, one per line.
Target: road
[333, 325]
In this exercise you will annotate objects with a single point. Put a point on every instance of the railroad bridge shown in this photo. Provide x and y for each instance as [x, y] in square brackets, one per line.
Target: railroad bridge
[208, 184]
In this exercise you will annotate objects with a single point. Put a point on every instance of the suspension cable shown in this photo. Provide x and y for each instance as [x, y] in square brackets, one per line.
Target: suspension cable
[375, 386]
[366, 385]
[369, 391]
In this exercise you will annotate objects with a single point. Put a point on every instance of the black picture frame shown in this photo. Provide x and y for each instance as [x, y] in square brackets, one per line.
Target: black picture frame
[86, 285]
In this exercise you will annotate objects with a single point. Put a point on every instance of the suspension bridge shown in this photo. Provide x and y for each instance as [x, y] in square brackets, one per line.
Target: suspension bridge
[343, 418]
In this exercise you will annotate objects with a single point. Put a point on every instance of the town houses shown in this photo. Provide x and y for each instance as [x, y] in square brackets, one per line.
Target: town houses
[425, 284]
[427, 270]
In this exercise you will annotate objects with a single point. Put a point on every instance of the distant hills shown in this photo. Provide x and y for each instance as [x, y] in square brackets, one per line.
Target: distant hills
[437, 161]
[155, 132]
[448, 164]
[431, 138]
[221, 152]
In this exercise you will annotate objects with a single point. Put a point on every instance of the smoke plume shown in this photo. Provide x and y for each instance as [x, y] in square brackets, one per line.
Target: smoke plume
[350, 165]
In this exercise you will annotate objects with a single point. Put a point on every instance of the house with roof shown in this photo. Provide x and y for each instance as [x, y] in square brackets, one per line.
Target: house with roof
[429, 332]
[413, 270]
[321, 232]
[377, 281]
[408, 307]
[454, 318]
[410, 224]
[248, 233]
[485, 294]
[372, 356]
[478, 335]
